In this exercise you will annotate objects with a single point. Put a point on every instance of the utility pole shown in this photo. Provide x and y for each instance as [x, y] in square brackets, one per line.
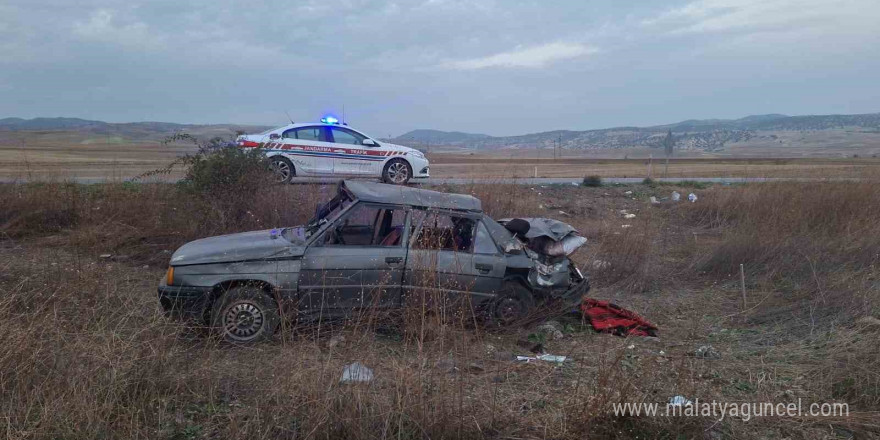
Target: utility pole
[668, 145]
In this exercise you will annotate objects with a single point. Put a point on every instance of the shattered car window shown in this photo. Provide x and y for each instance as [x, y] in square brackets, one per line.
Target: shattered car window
[328, 212]
[447, 232]
[367, 225]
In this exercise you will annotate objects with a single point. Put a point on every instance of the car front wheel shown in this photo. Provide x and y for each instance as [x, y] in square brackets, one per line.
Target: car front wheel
[283, 169]
[513, 304]
[244, 315]
[397, 172]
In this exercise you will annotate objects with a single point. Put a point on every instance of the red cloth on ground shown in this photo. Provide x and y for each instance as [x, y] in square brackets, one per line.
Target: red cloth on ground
[611, 318]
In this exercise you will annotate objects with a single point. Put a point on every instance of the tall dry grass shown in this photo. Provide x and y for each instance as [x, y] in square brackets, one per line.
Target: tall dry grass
[86, 353]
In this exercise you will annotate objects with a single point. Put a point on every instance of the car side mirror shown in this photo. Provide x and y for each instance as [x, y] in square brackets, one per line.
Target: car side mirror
[274, 136]
[369, 143]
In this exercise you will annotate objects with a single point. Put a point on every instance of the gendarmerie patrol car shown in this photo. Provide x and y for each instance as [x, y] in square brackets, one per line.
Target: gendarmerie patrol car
[329, 148]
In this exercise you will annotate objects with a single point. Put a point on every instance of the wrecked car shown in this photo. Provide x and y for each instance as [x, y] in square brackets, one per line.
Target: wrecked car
[374, 246]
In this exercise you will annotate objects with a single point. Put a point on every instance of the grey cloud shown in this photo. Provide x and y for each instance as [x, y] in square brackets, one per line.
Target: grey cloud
[490, 66]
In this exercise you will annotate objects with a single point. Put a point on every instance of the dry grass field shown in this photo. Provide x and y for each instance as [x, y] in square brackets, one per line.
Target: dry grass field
[453, 165]
[98, 159]
[87, 353]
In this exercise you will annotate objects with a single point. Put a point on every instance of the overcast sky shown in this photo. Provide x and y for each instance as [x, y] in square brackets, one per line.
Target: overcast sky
[495, 67]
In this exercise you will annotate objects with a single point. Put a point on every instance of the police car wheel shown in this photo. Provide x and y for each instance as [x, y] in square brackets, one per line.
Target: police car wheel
[397, 172]
[283, 169]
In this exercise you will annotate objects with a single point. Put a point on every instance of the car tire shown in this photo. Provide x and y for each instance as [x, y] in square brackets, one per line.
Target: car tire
[514, 303]
[397, 172]
[283, 168]
[245, 315]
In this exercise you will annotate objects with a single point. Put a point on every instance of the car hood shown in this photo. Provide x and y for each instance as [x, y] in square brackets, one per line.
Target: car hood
[244, 246]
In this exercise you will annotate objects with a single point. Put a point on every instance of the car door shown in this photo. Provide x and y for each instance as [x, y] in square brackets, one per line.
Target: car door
[358, 261]
[308, 149]
[352, 156]
[452, 260]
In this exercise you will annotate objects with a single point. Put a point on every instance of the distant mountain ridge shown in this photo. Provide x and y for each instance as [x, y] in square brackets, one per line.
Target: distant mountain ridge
[137, 131]
[441, 137]
[699, 134]
[702, 134]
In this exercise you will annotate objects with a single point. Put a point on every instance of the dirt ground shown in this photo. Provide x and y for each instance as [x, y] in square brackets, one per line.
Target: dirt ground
[121, 161]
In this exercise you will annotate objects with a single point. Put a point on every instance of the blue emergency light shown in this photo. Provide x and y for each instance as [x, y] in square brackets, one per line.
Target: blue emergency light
[330, 120]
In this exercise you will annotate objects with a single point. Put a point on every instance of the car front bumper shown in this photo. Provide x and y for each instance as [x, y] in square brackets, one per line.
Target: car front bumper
[185, 302]
[420, 167]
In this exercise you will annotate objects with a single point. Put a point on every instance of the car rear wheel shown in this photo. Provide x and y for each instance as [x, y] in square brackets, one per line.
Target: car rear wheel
[513, 304]
[245, 315]
[283, 168]
[397, 172]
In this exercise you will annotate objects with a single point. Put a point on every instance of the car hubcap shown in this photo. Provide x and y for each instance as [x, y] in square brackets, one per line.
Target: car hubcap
[243, 321]
[398, 172]
[282, 170]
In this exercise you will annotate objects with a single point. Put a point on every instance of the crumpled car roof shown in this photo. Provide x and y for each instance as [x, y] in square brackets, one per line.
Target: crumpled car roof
[404, 195]
[545, 227]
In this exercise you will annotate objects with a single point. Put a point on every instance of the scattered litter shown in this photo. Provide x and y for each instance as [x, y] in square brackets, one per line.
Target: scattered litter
[542, 357]
[574, 184]
[662, 353]
[105, 256]
[601, 264]
[654, 201]
[676, 196]
[708, 352]
[552, 330]
[629, 216]
[692, 197]
[680, 401]
[564, 213]
[624, 212]
[356, 372]
[607, 317]
[630, 346]
[625, 226]
[628, 193]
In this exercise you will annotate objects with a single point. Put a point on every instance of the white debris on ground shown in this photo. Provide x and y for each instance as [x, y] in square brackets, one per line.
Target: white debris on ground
[625, 226]
[692, 197]
[356, 372]
[542, 357]
[629, 216]
[654, 201]
[679, 401]
[676, 196]
[600, 264]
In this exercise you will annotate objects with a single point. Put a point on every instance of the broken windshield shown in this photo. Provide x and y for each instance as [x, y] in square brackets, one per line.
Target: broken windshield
[328, 212]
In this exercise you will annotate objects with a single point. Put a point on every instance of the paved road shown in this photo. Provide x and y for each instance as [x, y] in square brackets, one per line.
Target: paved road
[518, 181]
